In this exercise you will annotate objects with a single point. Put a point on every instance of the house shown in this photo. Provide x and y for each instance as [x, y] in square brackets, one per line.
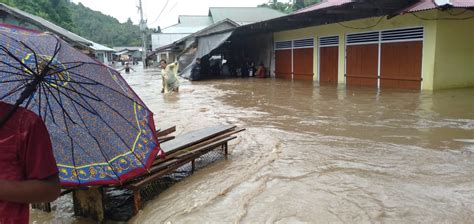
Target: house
[128, 53]
[186, 25]
[16, 17]
[164, 44]
[408, 44]
[102, 53]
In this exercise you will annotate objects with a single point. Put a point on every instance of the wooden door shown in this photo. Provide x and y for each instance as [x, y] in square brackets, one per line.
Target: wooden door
[303, 64]
[283, 66]
[362, 65]
[328, 64]
[400, 65]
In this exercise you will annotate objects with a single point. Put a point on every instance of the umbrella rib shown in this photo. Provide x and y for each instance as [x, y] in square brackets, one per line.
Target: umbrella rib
[77, 102]
[113, 109]
[67, 131]
[78, 93]
[4, 49]
[64, 70]
[97, 142]
[39, 100]
[8, 65]
[75, 82]
[15, 73]
[60, 104]
[29, 100]
[127, 121]
[113, 130]
[101, 118]
[13, 91]
[118, 92]
[48, 105]
[72, 148]
[15, 80]
[34, 53]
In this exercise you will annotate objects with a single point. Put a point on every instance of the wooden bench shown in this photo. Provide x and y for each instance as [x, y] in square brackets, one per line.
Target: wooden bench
[179, 150]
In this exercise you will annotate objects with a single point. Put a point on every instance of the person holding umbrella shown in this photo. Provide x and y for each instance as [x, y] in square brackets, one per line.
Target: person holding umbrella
[29, 172]
[100, 131]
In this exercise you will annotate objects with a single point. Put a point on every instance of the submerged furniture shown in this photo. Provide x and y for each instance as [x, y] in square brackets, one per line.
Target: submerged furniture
[180, 151]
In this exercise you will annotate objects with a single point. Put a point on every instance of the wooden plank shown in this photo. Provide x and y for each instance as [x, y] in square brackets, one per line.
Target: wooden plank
[165, 139]
[166, 131]
[177, 153]
[183, 160]
[89, 203]
[200, 151]
[194, 137]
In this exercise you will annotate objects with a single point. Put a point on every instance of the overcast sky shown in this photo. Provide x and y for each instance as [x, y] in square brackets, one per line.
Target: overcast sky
[124, 9]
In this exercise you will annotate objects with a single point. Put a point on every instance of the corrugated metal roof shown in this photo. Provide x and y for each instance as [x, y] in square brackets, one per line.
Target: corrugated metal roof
[100, 47]
[322, 5]
[127, 49]
[45, 24]
[178, 28]
[195, 20]
[432, 4]
[462, 3]
[189, 24]
[243, 15]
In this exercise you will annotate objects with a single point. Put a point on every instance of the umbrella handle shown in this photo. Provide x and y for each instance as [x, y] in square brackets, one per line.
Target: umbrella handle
[30, 88]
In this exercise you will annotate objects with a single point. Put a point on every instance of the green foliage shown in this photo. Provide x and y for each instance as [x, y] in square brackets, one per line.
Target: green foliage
[104, 29]
[85, 22]
[56, 11]
[289, 6]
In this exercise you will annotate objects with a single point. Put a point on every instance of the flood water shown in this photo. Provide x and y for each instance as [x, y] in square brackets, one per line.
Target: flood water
[315, 154]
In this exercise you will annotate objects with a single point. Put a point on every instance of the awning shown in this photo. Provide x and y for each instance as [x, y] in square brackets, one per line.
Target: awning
[206, 44]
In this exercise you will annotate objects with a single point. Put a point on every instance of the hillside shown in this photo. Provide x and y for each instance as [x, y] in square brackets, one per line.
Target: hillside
[79, 19]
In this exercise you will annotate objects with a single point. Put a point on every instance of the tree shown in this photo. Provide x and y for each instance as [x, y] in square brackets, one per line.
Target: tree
[289, 6]
[79, 19]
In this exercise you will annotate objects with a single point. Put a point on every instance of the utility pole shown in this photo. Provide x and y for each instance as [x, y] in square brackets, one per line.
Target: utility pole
[143, 31]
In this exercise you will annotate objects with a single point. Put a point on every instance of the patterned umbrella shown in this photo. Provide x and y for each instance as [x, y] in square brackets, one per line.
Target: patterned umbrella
[101, 131]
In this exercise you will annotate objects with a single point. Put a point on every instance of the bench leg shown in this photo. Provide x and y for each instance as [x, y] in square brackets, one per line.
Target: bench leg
[226, 150]
[193, 166]
[45, 207]
[89, 203]
[137, 201]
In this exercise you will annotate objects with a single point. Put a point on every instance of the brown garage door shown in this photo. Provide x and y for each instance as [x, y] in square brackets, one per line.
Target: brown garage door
[328, 64]
[362, 59]
[283, 59]
[401, 65]
[303, 64]
[401, 58]
[362, 65]
[328, 59]
[283, 64]
[303, 59]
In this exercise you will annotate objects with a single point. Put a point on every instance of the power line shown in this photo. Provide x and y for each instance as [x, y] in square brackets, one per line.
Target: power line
[162, 10]
[422, 18]
[361, 28]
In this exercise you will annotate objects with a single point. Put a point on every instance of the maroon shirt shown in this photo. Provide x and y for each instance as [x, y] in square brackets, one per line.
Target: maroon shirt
[25, 154]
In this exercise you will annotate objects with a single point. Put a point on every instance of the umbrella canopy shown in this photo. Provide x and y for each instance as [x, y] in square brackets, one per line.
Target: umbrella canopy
[101, 131]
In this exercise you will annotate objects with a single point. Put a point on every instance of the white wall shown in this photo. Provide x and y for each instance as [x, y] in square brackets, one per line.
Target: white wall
[162, 39]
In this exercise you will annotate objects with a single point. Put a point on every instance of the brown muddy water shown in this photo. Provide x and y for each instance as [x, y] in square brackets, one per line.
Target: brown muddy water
[315, 154]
